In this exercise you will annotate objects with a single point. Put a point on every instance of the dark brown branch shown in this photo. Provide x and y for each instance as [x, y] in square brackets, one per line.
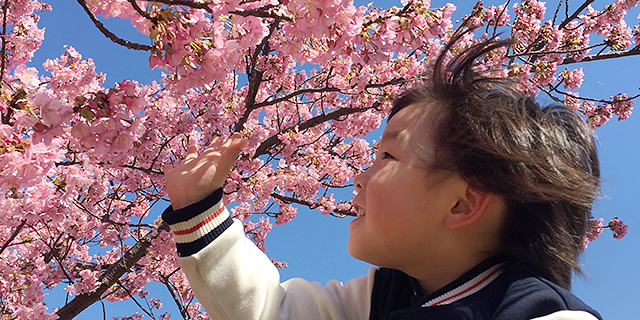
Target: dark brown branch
[176, 299]
[538, 43]
[109, 34]
[255, 77]
[195, 4]
[289, 200]
[379, 19]
[609, 55]
[270, 142]
[5, 8]
[263, 12]
[542, 53]
[295, 93]
[13, 236]
[110, 276]
[326, 89]
[142, 12]
[68, 163]
[134, 299]
[162, 147]
[145, 170]
[549, 93]
[575, 14]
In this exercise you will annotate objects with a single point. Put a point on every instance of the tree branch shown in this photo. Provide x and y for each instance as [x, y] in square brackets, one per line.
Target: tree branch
[5, 8]
[575, 14]
[538, 43]
[111, 275]
[609, 55]
[134, 299]
[145, 170]
[109, 34]
[176, 299]
[13, 236]
[293, 94]
[270, 142]
[195, 4]
[263, 12]
[142, 12]
[379, 19]
[289, 200]
[255, 77]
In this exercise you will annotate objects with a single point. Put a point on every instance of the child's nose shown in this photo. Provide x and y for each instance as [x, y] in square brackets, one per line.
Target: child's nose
[360, 181]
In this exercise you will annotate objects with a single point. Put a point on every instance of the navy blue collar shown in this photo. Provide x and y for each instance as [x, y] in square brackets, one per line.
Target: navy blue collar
[466, 285]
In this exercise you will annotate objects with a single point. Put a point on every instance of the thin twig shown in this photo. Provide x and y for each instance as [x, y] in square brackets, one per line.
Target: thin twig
[111, 275]
[542, 53]
[13, 236]
[145, 170]
[270, 142]
[5, 8]
[589, 99]
[262, 12]
[109, 34]
[176, 298]
[142, 12]
[295, 93]
[609, 55]
[134, 299]
[289, 200]
[195, 4]
[379, 19]
[255, 77]
[575, 14]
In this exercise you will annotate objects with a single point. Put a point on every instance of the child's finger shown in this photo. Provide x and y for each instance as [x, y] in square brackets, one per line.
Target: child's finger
[234, 139]
[231, 149]
[216, 141]
[192, 153]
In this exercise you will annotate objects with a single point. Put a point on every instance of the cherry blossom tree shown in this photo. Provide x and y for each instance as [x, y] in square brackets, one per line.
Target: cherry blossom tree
[304, 81]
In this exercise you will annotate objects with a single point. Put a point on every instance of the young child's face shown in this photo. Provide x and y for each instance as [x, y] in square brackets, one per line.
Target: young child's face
[400, 203]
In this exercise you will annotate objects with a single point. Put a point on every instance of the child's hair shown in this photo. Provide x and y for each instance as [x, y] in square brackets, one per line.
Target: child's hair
[542, 161]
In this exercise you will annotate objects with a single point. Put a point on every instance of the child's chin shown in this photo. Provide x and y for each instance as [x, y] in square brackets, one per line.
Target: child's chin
[358, 250]
[356, 220]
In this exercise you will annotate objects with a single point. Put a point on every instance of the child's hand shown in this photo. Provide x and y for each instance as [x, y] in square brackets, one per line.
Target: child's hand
[201, 175]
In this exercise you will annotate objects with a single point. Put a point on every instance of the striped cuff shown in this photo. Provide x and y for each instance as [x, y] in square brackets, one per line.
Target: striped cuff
[197, 225]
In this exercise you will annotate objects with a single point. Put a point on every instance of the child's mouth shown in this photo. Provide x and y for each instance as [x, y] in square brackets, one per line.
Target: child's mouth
[358, 210]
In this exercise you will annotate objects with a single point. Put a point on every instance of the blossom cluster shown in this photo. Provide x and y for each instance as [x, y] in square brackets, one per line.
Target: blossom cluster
[596, 227]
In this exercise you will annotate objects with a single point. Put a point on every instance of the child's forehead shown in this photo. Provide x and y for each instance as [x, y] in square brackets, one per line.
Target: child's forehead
[413, 121]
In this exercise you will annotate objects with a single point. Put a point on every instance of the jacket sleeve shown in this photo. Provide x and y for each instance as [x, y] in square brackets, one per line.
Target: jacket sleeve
[568, 315]
[233, 279]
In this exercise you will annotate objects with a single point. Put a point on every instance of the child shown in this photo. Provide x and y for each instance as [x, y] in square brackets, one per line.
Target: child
[474, 208]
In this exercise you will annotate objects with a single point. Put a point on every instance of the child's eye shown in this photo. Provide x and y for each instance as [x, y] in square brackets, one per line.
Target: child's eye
[386, 155]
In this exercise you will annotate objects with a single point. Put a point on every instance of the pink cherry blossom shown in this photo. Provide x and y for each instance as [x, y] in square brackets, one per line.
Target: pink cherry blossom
[572, 79]
[622, 106]
[618, 227]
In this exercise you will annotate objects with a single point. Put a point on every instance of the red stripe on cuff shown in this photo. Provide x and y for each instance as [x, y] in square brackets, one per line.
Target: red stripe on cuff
[199, 225]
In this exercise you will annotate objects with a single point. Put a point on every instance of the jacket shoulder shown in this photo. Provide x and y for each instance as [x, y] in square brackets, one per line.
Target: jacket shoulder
[531, 296]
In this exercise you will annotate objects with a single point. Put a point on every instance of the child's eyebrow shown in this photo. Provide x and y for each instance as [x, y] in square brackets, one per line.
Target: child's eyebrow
[389, 135]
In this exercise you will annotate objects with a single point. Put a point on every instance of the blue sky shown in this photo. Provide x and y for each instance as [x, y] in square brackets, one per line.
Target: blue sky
[315, 245]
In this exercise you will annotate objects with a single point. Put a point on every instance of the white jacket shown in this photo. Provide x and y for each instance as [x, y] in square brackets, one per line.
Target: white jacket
[233, 279]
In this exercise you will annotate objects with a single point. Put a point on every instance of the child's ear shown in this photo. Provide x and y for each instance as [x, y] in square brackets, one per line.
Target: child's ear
[468, 209]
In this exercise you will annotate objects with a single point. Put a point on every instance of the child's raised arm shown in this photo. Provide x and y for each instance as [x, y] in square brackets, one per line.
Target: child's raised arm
[202, 174]
[229, 275]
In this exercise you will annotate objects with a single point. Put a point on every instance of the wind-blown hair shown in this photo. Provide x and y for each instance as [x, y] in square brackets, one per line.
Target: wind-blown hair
[542, 161]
